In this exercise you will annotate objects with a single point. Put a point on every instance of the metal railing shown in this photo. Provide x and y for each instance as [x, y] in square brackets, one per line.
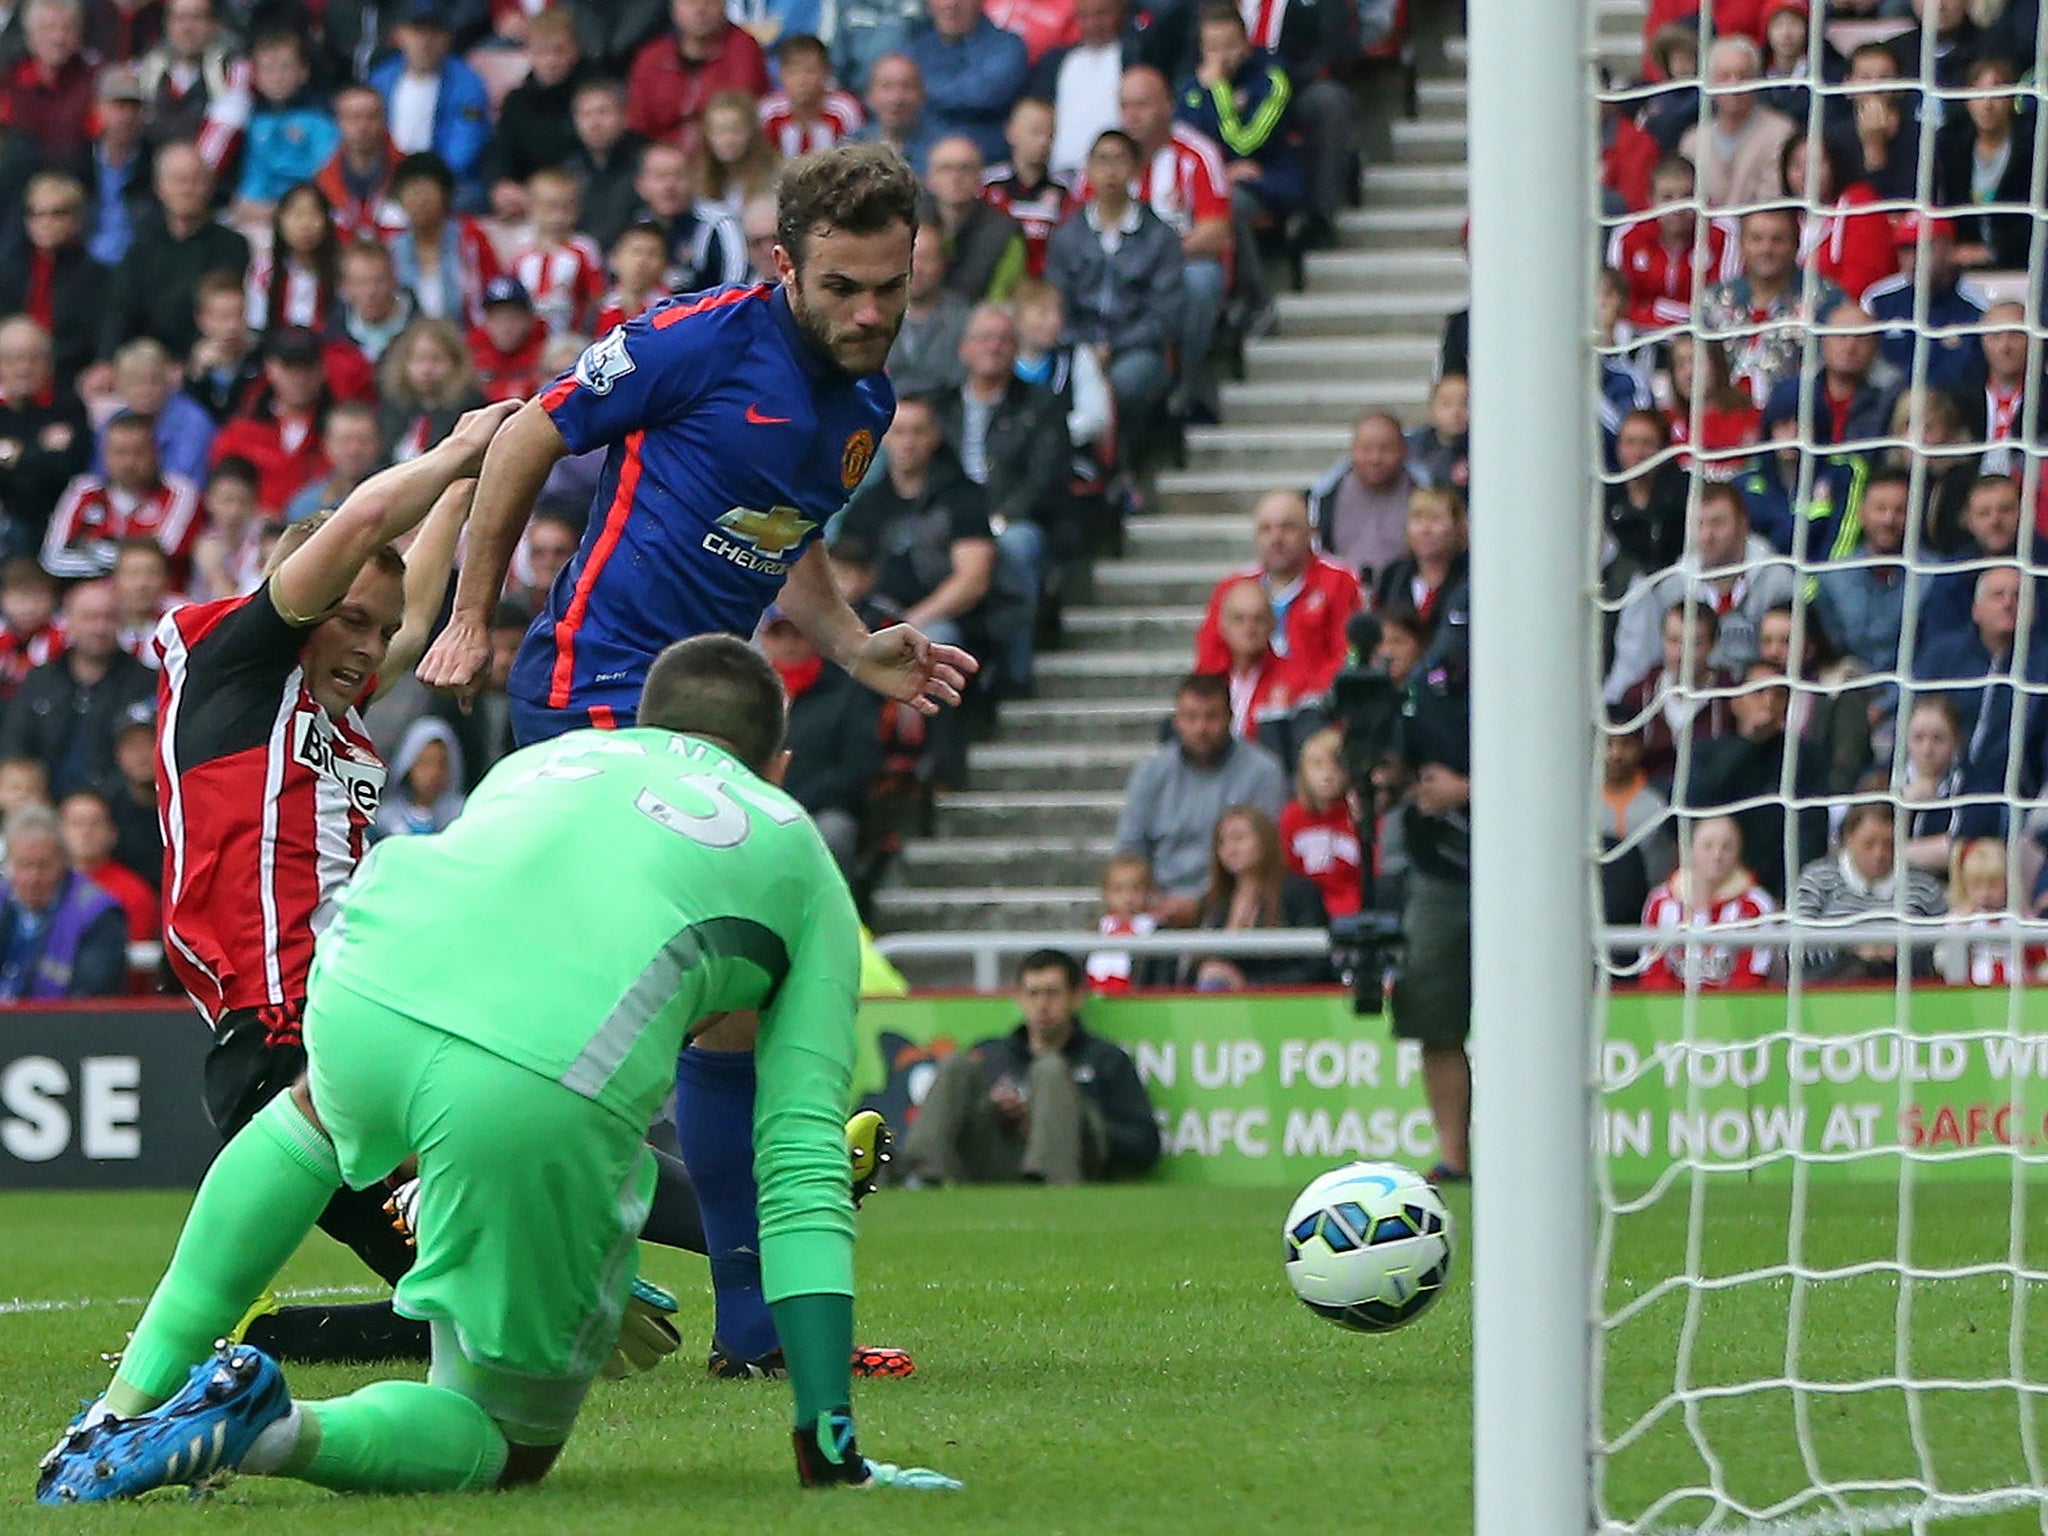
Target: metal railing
[988, 950]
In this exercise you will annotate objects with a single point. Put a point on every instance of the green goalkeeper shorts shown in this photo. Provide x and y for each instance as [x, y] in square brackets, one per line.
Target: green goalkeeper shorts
[530, 1204]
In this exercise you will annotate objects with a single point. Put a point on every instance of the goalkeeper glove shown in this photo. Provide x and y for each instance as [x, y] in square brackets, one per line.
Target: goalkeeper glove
[826, 1454]
[646, 1336]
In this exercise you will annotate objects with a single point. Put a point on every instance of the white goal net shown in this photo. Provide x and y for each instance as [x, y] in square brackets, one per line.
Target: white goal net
[1821, 1024]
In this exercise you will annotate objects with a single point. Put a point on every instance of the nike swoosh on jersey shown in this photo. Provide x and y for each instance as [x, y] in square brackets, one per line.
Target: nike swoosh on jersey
[755, 418]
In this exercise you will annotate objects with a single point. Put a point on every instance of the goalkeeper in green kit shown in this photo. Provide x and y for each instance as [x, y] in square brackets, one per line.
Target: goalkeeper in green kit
[505, 1002]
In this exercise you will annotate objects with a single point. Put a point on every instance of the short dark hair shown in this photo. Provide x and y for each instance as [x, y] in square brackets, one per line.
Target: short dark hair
[862, 189]
[1697, 612]
[278, 37]
[1220, 11]
[141, 544]
[1725, 490]
[423, 165]
[235, 467]
[1116, 135]
[130, 421]
[1053, 960]
[717, 685]
[1211, 687]
[1890, 474]
[24, 571]
[801, 45]
[644, 227]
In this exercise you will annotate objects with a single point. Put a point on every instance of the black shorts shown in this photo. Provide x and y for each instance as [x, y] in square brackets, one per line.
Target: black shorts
[257, 1054]
[1432, 1000]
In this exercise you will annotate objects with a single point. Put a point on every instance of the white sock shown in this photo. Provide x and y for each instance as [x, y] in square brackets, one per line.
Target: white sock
[274, 1445]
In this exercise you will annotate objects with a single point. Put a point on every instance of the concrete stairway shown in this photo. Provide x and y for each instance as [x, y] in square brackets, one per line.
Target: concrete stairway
[1024, 846]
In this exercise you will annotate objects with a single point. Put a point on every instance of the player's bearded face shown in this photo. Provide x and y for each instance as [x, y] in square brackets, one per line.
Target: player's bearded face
[850, 296]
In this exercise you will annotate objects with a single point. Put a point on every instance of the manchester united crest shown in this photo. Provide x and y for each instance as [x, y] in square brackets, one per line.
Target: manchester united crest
[859, 454]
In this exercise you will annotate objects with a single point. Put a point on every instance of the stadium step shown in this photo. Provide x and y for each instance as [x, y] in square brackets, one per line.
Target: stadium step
[1442, 98]
[1028, 721]
[1293, 455]
[954, 863]
[1008, 909]
[1003, 765]
[1181, 535]
[1328, 315]
[1439, 276]
[1407, 360]
[1220, 491]
[1159, 583]
[974, 813]
[1431, 141]
[1146, 676]
[1132, 629]
[1431, 227]
[1408, 185]
[1307, 401]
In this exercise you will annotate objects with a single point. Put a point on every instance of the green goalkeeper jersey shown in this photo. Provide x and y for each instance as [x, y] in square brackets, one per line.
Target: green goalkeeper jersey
[600, 894]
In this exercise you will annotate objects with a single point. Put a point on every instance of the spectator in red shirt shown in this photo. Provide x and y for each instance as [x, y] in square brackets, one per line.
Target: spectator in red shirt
[29, 632]
[1312, 597]
[1844, 239]
[357, 180]
[1712, 889]
[135, 496]
[1263, 684]
[675, 75]
[506, 348]
[806, 115]
[562, 271]
[280, 430]
[89, 838]
[1023, 187]
[1707, 411]
[49, 95]
[1743, 16]
[1661, 256]
[1318, 835]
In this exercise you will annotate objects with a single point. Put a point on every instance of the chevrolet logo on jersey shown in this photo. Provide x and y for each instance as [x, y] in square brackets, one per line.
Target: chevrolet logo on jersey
[759, 540]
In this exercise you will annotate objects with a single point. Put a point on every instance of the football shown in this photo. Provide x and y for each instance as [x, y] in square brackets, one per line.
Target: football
[1368, 1246]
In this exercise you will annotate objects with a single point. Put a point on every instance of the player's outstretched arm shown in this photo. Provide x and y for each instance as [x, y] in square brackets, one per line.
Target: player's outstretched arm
[427, 564]
[898, 662]
[513, 472]
[316, 575]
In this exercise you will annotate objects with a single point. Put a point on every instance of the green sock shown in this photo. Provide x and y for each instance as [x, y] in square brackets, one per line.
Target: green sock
[397, 1437]
[258, 1202]
[817, 1341]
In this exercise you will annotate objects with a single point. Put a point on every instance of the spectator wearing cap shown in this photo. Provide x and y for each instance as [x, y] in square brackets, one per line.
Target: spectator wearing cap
[536, 127]
[195, 88]
[291, 133]
[45, 437]
[1736, 153]
[984, 245]
[61, 936]
[443, 258]
[1772, 297]
[436, 103]
[896, 111]
[59, 285]
[352, 441]
[135, 497]
[280, 430]
[1313, 597]
[153, 287]
[705, 246]
[1893, 303]
[119, 173]
[506, 347]
[1988, 157]
[356, 181]
[834, 737]
[973, 71]
[926, 353]
[67, 709]
[1359, 506]
[1121, 272]
[675, 75]
[49, 93]
[604, 159]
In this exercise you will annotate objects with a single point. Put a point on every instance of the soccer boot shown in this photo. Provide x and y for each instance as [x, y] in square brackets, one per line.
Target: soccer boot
[871, 1361]
[206, 1428]
[647, 1335]
[868, 1142]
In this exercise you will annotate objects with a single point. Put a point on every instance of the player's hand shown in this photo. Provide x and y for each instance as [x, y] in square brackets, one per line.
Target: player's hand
[455, 663]
[901, 663]
[647, 1335]
[826, 1456]
[475, 429]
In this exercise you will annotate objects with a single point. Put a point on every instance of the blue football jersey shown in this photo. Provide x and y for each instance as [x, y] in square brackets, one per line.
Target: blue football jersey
[730, 442]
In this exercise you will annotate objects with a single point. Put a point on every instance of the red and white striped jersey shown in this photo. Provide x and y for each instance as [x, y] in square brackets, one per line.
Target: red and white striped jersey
[264, 800]
[565, 282]
[1717, 965]
[304, 303]
[1185, 182]
[21, 654]
[837, 118]
[94, 516]
[1988, 962]
[1040, 210]
[1661, 278]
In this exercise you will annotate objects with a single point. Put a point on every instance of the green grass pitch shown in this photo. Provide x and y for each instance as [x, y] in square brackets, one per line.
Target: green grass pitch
[1112, 1360]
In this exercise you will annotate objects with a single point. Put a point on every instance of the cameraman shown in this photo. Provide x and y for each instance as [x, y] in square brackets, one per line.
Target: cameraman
[1432, 993]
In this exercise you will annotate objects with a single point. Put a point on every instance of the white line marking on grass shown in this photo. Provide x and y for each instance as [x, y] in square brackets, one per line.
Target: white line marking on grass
[1873, 1519]
[19, 1307]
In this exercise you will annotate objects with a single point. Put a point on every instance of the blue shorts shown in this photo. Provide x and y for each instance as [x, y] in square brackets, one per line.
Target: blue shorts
[536, 722]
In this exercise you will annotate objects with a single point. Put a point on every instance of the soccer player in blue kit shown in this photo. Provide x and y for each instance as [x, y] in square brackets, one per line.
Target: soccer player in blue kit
[736, 423]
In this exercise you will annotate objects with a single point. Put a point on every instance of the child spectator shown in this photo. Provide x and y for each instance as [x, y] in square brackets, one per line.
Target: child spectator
[506, 348]
[639, 276]
[227, 557]
[142, 595]
[1074, 376]
[1656, 255]
[1934, 775]
[1712, 889]
[29, 632]
[735, 160]
[425, 382]
[806, 115]
[296, 283]
[279, 431]
[226, 361]
[23, 781]
[1126, 900]
[1250, 887]
[135, 496]
[1318, 834]
[291, 135]
[1978, 897]
[354, 446]
[426, 775]
[1439, 453]
[1024, 187]
[1674, 699]
[536, 125]
[561, 270]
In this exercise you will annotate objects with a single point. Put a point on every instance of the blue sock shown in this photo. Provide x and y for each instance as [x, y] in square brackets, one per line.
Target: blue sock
[715, 1130]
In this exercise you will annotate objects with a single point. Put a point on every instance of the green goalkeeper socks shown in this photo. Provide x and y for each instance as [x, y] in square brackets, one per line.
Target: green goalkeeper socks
[258, 1202]
[395, 1437]
[817, 1341]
